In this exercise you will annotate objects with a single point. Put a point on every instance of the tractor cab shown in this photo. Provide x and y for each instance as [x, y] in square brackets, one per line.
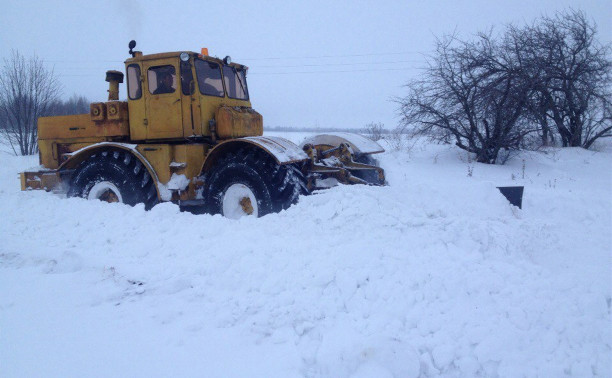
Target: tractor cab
[186, 95]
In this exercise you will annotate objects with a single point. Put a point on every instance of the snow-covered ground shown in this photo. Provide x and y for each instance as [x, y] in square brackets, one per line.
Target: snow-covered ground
[433, 275]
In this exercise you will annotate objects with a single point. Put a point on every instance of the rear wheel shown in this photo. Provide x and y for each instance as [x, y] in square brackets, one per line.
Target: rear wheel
[114, 176]
[250, 183]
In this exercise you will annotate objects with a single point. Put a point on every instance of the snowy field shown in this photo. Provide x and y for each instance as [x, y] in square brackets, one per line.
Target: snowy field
[433, 275]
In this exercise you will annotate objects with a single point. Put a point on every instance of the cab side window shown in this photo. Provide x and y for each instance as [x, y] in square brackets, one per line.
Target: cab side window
[187, 79]
[162, 79]
[133, 82]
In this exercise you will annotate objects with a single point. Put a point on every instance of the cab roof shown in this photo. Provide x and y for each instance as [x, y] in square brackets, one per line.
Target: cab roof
[176, 54]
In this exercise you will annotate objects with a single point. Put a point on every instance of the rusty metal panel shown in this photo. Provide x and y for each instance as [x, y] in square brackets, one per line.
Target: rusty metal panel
[97, 111]
[188, 159]
[164, 116]
[138, 128]
[236, 122]
[47, 180]
[79, 126]
[209, 105]
[159, 157]
[48, 155]
[51, 150]
[73, 126]
[117, 110]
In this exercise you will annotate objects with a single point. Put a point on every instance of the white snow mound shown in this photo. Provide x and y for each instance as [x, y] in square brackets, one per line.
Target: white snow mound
[433, 275]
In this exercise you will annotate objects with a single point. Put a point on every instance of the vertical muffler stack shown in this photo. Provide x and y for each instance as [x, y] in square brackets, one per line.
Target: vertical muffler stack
[113, 78]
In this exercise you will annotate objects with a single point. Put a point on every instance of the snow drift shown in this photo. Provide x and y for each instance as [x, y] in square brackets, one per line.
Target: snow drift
[435, 274]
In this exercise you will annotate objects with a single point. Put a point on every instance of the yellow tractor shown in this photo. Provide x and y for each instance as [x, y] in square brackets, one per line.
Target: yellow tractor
[188, 134]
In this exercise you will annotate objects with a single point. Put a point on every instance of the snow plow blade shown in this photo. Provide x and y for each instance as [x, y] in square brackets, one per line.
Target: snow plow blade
[342, 158]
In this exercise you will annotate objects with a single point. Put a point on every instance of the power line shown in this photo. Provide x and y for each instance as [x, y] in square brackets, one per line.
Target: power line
[339, 64]
[334, 56]
[286, 66]
[283, 66]
[254, 69]
[290, 72]
[260, 58]
[334, 71]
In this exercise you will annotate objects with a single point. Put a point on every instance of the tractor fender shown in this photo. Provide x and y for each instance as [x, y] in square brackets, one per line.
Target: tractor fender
[359, 144]
[281, 149]
[77, 157]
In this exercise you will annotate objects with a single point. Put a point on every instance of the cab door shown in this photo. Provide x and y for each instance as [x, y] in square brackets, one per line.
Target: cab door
[163, 101]
[191, 106]
[136, 102]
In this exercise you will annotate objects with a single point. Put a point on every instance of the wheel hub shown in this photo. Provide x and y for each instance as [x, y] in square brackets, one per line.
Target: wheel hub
[239, 200]
[246, 205]
[105, 191]
[109, 196]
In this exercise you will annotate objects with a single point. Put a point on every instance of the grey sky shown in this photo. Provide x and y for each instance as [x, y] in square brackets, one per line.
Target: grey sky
[312, 63]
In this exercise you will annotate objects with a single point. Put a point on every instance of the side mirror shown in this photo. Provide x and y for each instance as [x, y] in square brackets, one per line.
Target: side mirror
[131, 45]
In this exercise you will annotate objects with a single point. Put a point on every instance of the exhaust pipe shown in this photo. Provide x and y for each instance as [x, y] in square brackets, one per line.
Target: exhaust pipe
[113, 78]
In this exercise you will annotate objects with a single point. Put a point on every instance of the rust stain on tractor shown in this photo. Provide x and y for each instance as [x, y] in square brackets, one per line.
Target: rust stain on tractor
[236, 122]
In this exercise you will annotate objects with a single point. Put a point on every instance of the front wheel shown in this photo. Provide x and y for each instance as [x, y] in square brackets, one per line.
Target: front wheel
[250, 183]
[114, 176]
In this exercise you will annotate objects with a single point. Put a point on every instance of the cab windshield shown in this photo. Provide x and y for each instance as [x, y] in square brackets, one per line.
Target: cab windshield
[235, 83]
[209, 78]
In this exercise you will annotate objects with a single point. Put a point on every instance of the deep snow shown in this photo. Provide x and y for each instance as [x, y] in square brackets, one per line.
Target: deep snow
[435, 274]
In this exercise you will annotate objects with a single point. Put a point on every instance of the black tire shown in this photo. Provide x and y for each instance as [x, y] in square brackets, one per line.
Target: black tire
[121, 169]
[370, 176]
[275, 187]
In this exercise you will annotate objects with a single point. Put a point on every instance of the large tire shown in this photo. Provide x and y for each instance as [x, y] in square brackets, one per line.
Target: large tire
[250, 182]
[114, 176]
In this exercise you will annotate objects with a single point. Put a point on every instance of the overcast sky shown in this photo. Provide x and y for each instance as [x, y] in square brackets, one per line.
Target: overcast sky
[312, 63]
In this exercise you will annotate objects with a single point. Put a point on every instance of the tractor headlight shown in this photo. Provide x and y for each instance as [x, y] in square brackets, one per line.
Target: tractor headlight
[184, 57]
[227, 60]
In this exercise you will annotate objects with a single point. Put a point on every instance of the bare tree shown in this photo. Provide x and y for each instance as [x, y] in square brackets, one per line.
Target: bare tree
[27, 90]
[571, 71]
[374, 130]
[551, 79]
[473, 94]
